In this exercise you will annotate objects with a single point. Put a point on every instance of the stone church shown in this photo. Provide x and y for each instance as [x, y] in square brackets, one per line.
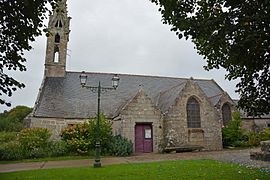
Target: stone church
[153, 112]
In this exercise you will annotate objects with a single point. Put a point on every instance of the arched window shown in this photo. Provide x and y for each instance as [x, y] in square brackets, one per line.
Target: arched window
[57, 38]
[193, 113]
[56, 55]
[226, 114]
[58, 24]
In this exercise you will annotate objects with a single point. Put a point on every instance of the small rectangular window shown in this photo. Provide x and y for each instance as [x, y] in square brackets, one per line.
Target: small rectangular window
[71, 125]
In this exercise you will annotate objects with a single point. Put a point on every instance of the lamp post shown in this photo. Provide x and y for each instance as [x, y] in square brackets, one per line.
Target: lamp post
[98, 89]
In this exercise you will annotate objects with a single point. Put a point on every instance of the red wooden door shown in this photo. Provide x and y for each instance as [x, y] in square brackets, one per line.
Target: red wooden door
[143, 138]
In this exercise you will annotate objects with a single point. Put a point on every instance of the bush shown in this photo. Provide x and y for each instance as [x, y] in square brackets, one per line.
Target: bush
[121, 146]
[7, 136]
[79, 145]
[9, 125]
[30, 143]
[11, 151]
[81, 139]
[232, 135]
[105, 134]
[14, 151]
[34, 142]
[35, 153]
[253, 139]
[32, 138]
[57, 148]
[265, 134]
[77, 138]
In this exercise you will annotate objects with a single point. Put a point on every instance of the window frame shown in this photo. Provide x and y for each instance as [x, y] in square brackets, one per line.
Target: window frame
[193, 113]
[226, 112]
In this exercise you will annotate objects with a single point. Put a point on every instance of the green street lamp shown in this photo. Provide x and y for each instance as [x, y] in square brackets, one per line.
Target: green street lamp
[98, 89]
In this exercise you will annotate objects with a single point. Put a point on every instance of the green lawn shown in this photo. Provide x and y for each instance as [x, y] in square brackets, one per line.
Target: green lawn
[190, 169]
[60, 158]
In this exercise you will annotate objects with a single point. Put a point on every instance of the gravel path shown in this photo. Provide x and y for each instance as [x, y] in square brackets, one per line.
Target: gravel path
[241, 157]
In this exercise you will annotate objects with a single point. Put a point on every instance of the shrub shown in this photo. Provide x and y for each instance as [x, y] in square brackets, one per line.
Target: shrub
[30, 143]
[121, 146]
[34, 137]
[105, 134]
[11, 151]
[8, 125]
[265, 134]
[253, 139]
[77, 138]
[79, 145]
[35, 153]
[34, 141]
[7, 136]
[57, 148]
[232, 135]
[82, 138]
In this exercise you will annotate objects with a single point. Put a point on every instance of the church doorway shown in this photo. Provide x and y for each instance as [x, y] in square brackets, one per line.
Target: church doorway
[143, 138]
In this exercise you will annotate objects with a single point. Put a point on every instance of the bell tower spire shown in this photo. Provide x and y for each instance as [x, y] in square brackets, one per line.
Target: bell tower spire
[58, 36]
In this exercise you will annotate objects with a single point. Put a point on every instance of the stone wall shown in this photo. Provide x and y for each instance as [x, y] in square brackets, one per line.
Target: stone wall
[54, 70]
[248, 125]
[264, 154]
[255, 124]
[55, 125]
[140, 110]
[177, 133]
[261, 123]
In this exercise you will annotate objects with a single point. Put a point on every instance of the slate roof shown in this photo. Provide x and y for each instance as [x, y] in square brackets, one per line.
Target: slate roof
[63, 97]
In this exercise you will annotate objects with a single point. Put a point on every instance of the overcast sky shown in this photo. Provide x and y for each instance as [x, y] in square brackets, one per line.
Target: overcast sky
[120, 36]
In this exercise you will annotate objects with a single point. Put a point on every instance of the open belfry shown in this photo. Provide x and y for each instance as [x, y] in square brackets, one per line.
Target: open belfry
[153, 112]
[56, 52]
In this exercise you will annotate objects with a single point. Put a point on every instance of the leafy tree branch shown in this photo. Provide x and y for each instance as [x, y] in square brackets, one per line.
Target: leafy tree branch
[234, 35]
[20, 22]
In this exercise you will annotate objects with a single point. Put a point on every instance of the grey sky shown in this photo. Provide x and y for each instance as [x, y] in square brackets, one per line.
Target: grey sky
[121, 36]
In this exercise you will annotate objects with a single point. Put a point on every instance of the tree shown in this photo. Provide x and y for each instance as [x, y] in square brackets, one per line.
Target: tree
[20, 23]
[13, 120]
[232, 134]
[231, 34]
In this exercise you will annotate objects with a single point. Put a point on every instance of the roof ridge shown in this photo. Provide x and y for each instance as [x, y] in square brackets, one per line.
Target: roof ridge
[142, 75]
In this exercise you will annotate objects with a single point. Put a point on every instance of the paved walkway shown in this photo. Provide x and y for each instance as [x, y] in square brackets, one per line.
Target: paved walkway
[236, 156]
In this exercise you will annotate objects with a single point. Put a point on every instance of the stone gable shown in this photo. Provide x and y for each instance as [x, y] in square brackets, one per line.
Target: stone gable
[175, 121]
[140, 110]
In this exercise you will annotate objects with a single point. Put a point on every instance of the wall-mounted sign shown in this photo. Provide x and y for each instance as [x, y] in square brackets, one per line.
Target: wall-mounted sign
[147, 134]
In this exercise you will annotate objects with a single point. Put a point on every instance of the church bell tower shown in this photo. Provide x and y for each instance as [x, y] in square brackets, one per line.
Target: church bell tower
[58, 36]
